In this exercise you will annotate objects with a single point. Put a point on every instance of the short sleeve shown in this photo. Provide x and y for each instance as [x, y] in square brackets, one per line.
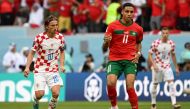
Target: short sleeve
[62, 47]
[140, 35]
[152, 48]
[35, 45]
[173, 47]
[109, 30]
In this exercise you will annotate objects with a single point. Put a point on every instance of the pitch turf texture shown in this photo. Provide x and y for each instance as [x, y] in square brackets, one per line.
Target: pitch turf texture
[88, 105]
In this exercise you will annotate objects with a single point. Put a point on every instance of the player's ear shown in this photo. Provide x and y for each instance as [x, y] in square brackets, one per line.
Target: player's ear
[46, 27]
[122, 11]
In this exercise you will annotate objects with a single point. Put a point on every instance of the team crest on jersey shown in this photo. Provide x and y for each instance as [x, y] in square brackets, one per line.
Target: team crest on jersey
[133, 33]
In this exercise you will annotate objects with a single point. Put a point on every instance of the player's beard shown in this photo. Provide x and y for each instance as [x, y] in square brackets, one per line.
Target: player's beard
[53, 31]
[128, 20]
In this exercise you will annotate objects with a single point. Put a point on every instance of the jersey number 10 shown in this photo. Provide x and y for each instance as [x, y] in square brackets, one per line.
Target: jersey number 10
[50, 56]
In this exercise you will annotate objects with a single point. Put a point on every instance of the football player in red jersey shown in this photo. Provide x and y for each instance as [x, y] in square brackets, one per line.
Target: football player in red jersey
[123, 38]
[49, 47]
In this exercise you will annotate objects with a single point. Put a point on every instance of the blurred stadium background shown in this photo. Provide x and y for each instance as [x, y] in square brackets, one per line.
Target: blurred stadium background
[86, 90]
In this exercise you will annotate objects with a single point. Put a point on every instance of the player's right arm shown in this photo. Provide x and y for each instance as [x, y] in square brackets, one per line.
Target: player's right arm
[152, 63]
[28, 63]
[150, 57]
[107, 39]
[31, 54]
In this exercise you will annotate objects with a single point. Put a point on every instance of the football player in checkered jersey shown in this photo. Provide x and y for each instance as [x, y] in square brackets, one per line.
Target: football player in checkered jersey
[49, 47]
[164, 49]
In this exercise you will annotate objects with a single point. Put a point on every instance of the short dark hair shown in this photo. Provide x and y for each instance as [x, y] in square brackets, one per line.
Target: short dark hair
[165, 28]
[187, 44]
[112, 1]
[49, 19]
[128, 4]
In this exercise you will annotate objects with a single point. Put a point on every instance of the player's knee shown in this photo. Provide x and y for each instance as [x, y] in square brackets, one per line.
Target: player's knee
[172, 89]
[39, 95]
[130, 85]
[55, 94]
[111, 83]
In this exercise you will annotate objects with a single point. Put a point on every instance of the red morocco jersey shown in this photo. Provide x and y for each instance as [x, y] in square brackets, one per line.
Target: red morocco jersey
[124, 40]
[47, 50]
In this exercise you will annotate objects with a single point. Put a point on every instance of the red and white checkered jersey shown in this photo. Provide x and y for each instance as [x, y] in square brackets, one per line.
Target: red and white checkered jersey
[47, 50]
[162, 52]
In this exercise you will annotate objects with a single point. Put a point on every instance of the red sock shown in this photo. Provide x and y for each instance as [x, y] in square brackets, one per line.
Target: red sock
[112, 95]
[133, 99]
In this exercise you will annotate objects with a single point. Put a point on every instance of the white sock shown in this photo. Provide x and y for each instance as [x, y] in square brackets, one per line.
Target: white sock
[153, 93]
[53, 103]
[114, 107]
[172, 93]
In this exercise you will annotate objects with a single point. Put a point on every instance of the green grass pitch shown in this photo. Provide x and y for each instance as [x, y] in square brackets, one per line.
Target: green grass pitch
[88, 105]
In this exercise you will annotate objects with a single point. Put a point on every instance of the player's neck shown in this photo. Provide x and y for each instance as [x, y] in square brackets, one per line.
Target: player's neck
[50, 35]
[126, 22]
[164, 40]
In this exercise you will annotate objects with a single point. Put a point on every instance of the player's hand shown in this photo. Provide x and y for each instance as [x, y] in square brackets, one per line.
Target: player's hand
[26, 72]
[177, 71]
[108, 38]
[62, 68]
[136, 59]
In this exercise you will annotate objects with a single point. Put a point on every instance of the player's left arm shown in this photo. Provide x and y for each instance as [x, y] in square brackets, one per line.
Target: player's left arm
[62, 55]
[175, 62]
[138, 45]
[138, 53]
[62, 61]
[174, 59]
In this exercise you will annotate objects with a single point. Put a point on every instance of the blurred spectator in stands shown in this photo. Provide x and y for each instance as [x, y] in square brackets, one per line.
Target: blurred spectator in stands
[95, 12]
[102, 67]
[68, 60]
[46, 7]
[185, 58]
[24, 54]
[146, 15]
[64, 19]
[157, 13]
[52, 8]
[139, 4]
[36, 16]
[11, 59]
[6, 12]
[79, 18]
[112, 11]
[88, 65]
[22, 15]
[184, 14]
[170, 16]
[140, 66]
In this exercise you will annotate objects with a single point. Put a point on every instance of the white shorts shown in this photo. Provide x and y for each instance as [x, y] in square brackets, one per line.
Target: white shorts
[162, 75]
[51, 79]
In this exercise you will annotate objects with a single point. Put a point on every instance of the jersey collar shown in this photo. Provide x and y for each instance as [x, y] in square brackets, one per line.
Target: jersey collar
[129, 24]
